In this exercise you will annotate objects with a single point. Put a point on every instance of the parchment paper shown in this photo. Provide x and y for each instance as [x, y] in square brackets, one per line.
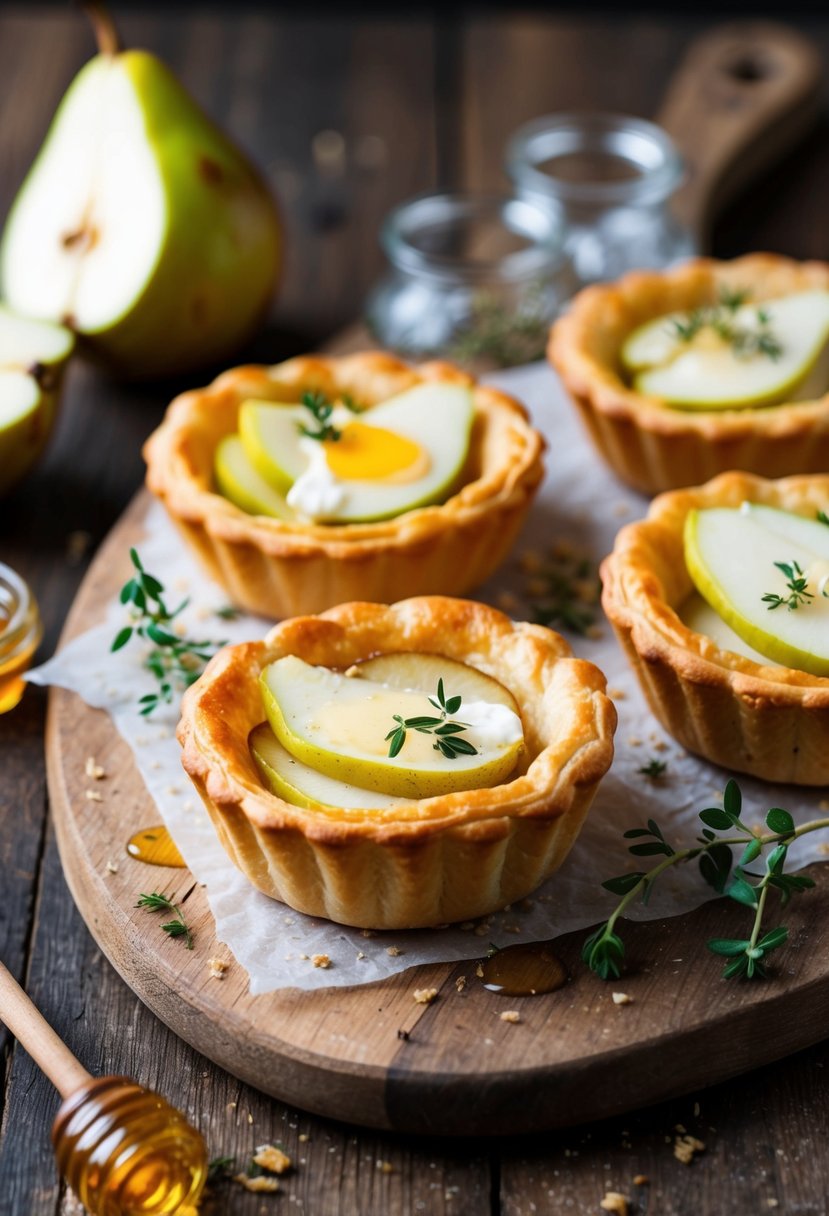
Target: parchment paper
[581, 502]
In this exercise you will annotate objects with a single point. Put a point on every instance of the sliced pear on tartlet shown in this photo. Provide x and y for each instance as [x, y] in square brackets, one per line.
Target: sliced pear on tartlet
[412, 669]
[766, 573]
[342, 727]
[747, 357]
[243, 485]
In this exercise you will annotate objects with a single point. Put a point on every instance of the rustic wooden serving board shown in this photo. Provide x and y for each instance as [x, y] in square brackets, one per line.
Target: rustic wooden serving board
[574, 1055]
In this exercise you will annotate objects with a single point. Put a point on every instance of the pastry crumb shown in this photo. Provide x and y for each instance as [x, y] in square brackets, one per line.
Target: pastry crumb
[620, 509]
[368, 933]
[360, 954]
[507, 602]
[93, 769]
[634, 741]
[425, 996]
[321, 960]
[404, 1035]
[823, 805]
[303, 1137]
[460, 983]
[77, 546]
[510, 1015]
[594, 632]
[479, 971]
[112, 867]
[615, 1201]
[686, 1147]
[261, 1184]
[272, 1159]
[217, 968]
[385, 1167]
[824, 849]
[393, 951]
[622, 998]
[641, 1180]
[93, 796]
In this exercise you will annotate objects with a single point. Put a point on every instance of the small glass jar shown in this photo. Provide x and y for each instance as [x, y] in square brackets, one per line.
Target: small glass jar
[20, 634]
[612, 177]
[473, 278]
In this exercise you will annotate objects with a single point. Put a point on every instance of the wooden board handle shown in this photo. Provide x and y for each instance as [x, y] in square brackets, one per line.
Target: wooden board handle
[34, 1033]
[743, 95]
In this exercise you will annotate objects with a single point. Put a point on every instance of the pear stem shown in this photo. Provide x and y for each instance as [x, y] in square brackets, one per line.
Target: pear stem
[106, 35]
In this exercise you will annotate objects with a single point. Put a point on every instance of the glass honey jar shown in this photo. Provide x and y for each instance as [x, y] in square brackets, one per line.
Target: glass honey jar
[20, 634]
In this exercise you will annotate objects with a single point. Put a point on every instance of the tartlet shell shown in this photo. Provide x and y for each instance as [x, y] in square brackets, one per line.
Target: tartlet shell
[651, 446]
[766, 720]
[277, 568]
[440, 859]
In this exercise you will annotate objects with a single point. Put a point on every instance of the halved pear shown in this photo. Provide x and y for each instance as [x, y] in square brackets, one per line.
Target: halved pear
[731, 555]
[436, 417]
[239, 482]
[413, 670]
[707, 373]
[140, 225]
[301, 785]
[33, 355]
[338, 726]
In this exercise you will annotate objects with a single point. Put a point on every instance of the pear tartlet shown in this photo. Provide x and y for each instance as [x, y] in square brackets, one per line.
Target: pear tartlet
[283, 566]
[651, 444]
[423, 861]
[735, 707]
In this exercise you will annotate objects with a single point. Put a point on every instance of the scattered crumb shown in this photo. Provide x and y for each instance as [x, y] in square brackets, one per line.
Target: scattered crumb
[360, 954]
[482, 930]
[217, 968]
[94, 770]
[659, 745]
[303, 1137]
[823, 805]
[615, 1201]
[479, 971]
[634, 741]
[510, 1015]
[262, 1183]
[641, 1180]
[771, 1202]
[172, 790]
[460, 983]
[77, 545]
[686, 1147]
[425, 996]
[594, 632]
[272, 1159]
[367, 933]
[112, 866]
[302, 956]
[250, 1118]
[394, 951]
[507, 602]
[511, 928]
[525, 905]
[321, 960]
[621, 508]
[404, 1035]
[385, 1167]
[530, 561]
[681, 1128]
[93, 796]
[616, 694]
[231, 1106]
[622, 998]
[181, 584]
[824, 849]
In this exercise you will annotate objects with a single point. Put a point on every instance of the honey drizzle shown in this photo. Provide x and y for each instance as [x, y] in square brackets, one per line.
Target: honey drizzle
[155, 847]
[527, 969]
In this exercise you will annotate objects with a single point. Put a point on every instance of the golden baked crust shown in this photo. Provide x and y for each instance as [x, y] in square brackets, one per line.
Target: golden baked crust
[442, 859]
[650, 445]
[279, 568]
[770, 721]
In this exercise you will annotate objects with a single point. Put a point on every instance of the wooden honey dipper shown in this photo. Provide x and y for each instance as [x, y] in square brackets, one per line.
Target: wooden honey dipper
[122, 1148]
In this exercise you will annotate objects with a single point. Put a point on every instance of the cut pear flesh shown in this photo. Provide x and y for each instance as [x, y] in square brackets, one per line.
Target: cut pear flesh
[338, 726]
[437, 418]
[413, 670]
[301, 785]
[706, 373]
[731, 554]
[242, 485]
[700, 617]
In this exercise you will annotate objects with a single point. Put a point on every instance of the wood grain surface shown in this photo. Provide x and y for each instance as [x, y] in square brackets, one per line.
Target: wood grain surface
[455, 87]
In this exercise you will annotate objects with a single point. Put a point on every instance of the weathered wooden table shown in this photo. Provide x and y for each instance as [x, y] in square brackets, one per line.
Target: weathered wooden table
[418, 102]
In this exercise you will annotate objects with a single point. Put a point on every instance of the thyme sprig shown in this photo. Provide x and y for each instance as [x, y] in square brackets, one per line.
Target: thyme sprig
[562, 587]
[654, 769]
[604, 950]
[446, 731]
[797, 585]
[177, 927]
[321, 428]
[720, 317]
[176, 662]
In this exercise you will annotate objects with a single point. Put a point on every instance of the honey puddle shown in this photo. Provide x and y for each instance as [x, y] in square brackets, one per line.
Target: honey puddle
[156, 847]
[524, 970]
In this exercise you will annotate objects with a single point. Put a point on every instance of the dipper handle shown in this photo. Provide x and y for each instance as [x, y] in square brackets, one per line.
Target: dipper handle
[35, 1034]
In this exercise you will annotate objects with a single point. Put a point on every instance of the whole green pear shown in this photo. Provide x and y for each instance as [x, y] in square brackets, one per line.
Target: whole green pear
[140, 225]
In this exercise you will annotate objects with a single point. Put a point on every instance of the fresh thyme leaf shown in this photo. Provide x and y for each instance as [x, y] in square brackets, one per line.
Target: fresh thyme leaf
[320, 409]
[154, 902]
[603, 951]
[504, 335]
[219, 1166]
[174, 661]
[720, 317]
[561, 588]
[797, 586]
[446, 732]
[227, 613]
[823, 518]
[654, 769]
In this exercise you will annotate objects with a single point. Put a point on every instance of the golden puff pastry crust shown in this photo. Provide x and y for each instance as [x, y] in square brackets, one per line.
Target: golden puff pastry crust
[436, 860]
[767, 720]
[278, 568]
[650, 445]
